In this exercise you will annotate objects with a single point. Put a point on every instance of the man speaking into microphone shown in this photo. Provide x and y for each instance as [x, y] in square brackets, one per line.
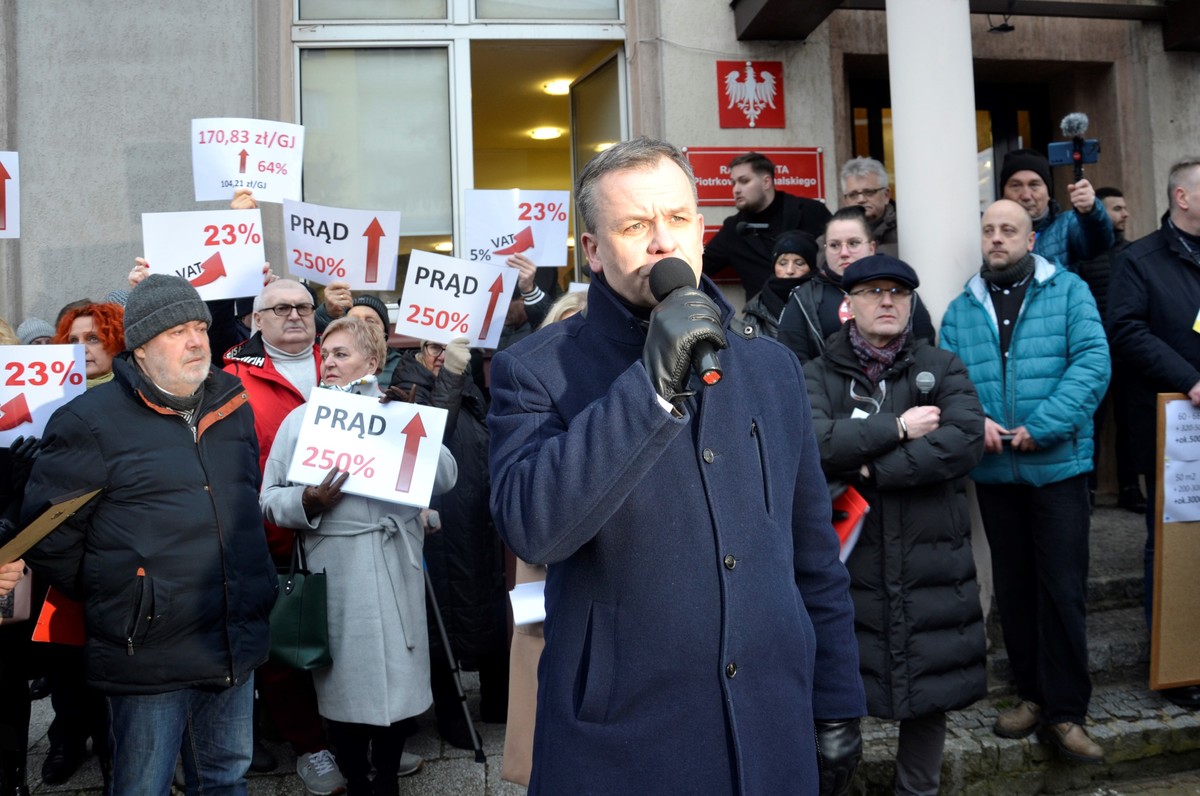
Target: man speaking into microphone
[699, 630]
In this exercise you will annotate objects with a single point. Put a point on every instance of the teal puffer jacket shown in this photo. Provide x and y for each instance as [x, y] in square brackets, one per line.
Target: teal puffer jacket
[1056, 374]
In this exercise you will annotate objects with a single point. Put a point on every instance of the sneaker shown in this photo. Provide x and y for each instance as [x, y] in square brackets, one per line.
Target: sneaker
[319, 773]
[1073, 742]
[410, 764]
[1018, 722]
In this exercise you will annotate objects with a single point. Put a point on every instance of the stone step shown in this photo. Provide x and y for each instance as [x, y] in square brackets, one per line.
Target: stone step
[1142, 734]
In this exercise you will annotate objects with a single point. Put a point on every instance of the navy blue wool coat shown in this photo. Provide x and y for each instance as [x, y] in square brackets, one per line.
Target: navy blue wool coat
[697, 615]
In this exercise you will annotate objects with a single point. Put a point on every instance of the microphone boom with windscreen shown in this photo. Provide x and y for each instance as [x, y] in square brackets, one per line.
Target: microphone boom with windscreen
[666, 276]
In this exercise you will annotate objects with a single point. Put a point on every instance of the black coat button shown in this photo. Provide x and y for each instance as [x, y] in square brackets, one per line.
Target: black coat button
[730, 562]
[731, 670]
[709, 455]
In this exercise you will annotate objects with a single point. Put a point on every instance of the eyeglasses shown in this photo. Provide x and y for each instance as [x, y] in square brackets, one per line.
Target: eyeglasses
[284, 310]
[875, 294]
[854, 244]
[435, 349]
[854, 196]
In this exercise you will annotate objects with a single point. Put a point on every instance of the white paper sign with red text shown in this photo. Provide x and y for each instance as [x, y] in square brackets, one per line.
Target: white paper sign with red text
[10, 195]
[390, 450]
[333, 243]
[502, 223]
[446, 297]
[34, 381]
[220, 252]
[264, 156]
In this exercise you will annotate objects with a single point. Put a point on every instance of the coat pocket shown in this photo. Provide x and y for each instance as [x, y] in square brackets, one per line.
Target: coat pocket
[594, 681]
[756, 434]
[147, 604]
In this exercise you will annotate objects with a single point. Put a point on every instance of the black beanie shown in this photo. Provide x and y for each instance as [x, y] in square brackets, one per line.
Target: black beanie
[158, 303]
[372, 303]
[796, 242]
[1025, 160]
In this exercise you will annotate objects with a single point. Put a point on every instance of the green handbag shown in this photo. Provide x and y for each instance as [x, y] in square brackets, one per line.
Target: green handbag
[299, 620]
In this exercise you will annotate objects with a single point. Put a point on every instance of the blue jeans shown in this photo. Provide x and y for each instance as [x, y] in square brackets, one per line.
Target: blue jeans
[212, 729]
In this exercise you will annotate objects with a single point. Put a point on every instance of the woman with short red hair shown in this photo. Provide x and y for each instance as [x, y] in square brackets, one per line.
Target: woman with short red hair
[100, 328]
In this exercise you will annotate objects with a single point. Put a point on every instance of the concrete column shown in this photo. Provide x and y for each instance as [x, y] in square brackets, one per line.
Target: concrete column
[933, 130]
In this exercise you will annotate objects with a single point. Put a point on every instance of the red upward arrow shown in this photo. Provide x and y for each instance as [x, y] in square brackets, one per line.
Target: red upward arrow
[373, 234]
[14, 413]
[4, 178]
[496, 289]
[242, 165]
[413, 433]
[522, 241]
[211, 270]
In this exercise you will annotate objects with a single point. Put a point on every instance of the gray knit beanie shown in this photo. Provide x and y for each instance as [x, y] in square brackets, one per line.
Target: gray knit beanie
[33, 328]
[158, 303]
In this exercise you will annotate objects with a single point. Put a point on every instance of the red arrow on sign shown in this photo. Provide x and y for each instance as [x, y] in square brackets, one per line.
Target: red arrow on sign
[496, 290]
[14, 413]
[211, 270]
[522, 241]
[413, 433]
[242, 165]
[4, 178]
[373, 234]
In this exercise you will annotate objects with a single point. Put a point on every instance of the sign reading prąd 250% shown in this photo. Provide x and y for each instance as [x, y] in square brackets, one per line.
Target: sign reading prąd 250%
[34, 381]
[328, 243]
[445, 298]
[390, 450]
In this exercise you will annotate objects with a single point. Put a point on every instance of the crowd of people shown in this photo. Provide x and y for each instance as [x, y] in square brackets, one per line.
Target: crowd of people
[702, 632]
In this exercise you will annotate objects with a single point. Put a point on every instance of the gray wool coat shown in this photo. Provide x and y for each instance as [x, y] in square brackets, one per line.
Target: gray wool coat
[372, 553]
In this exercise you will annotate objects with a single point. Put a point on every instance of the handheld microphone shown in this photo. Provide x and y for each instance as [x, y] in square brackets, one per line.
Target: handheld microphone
[746, 227]
[925, 382]
[668, 275]
[1074, 125]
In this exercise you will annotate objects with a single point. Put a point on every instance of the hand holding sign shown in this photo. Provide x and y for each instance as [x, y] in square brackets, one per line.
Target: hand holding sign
[445, 297]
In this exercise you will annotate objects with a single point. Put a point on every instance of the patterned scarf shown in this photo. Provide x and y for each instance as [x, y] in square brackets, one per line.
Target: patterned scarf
[874, 360]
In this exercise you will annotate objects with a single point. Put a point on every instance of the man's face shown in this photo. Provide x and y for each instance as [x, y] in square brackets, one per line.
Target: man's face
[292, 332]
[880, 318]
[1028, 190]
[866, 193]
[1185, 202]
[1007, 234]
[752, 192]
[1118, 212]
[177, 360]
[643, 216]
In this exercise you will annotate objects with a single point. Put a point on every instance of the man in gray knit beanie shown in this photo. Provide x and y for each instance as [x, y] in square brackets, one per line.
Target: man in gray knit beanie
[166, 328]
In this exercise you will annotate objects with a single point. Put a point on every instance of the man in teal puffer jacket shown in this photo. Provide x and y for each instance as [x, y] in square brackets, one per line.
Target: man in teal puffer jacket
[1031, 338]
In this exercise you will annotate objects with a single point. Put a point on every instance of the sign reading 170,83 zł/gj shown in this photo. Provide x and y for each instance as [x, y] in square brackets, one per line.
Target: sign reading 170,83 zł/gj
[390, 450]
[220, 252]
[261, 155]
[36, 380]
[328, 243]
[445, 298]
[502, 223]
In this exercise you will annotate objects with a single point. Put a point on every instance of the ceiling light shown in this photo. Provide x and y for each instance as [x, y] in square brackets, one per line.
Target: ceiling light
[570, 243]
[545, 133]
[557, 88]
[603, 145]
[443, 246]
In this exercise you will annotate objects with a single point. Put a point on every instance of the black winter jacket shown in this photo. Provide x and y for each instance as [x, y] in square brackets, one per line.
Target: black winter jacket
[466, 559]
[170, 560]
[1153, 299]
[917, 613]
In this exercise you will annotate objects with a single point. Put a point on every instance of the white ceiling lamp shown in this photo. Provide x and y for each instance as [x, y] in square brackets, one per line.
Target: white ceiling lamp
[557, 88]
[545, 133]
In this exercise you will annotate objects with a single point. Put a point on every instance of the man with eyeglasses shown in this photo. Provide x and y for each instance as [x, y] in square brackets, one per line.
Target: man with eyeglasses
[1033, 343]
[279, 366]
[746, 240]
[865, 185]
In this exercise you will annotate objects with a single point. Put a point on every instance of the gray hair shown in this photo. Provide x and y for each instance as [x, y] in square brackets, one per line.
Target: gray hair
[1182, 176]
[259, 301]
[864, 167]
[640, 154]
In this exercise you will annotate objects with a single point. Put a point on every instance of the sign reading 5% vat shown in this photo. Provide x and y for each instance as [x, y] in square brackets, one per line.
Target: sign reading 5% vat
[503, 223]
[262, 155]
[328, 243]
[220, 252]
[445, 297]
[34, 381]
[390, 450]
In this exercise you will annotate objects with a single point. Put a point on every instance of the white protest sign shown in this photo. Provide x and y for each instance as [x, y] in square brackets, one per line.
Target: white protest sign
[34, 381]
[355, 246]
[532, 223]
[262, 155]
[10, 195]
[220, 252]
[445, 297]
[390, 450]
[1181, 471]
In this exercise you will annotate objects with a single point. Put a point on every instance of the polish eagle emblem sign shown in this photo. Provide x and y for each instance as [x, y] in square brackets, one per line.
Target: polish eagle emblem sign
[751, 93]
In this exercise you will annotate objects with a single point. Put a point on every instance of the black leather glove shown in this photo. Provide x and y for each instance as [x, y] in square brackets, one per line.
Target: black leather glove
[318, 499]
[839, 748]
[682, 319]
[22, 452]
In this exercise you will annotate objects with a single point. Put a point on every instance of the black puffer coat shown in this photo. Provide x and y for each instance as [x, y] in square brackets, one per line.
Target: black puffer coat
[916, 603]
[466, 559]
